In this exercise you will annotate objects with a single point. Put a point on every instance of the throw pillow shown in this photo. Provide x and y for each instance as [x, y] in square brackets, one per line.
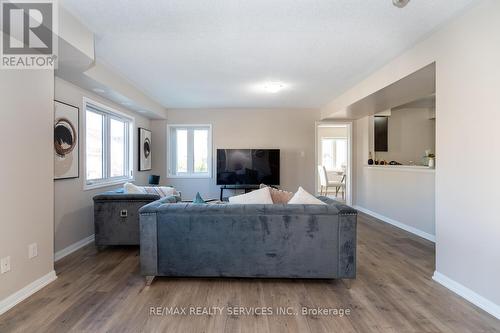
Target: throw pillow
[261, 196]
[198, 199]
[302, 197]
[133, 189]
[278, 196]
[162, 191]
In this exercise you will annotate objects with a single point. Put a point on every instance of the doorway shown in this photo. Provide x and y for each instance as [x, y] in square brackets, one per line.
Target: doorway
[333, 170]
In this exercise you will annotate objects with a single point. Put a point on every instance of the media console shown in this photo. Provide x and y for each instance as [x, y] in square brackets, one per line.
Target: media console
[246, 188]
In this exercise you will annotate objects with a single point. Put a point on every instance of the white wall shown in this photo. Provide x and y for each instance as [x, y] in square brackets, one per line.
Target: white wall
[466, 52]
[73, 218]
[291, 130]
[26, 172]
[396, 194]
[410, 133]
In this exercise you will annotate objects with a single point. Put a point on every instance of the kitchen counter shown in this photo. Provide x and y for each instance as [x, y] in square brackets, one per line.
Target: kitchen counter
[415, 168]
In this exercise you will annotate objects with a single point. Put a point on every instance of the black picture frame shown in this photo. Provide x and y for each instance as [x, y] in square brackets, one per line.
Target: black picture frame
[144, 149]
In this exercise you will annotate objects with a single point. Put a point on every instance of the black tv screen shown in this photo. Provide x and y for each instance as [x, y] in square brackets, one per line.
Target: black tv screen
[248, 166]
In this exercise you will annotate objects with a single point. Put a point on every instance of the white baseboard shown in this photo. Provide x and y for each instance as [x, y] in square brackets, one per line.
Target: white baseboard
[19, 296]
[398, 224]
[73, 247]
[471, 296]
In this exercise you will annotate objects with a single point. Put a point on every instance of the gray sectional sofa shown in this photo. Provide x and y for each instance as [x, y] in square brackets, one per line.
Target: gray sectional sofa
[233, 240]
[116, 217]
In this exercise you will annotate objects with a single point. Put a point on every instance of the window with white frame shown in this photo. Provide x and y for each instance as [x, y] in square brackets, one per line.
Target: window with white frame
[190, 151]
[334, 153]
[108, 146]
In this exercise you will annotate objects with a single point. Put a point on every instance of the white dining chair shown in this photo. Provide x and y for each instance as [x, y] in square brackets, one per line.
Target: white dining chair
[325, 183]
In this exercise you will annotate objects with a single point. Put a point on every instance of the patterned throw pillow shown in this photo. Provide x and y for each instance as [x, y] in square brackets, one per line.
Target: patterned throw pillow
[162, 191]
[278, 196]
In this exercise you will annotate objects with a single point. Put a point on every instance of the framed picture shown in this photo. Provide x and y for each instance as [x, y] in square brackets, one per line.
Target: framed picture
[66, 145]
[144, 149]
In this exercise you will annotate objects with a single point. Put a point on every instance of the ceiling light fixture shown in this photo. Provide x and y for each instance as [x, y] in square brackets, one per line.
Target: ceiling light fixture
[400, 3]
[273, 86]
[99, 90]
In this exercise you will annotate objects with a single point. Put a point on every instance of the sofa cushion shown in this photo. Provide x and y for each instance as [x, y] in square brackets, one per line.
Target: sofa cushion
[302, 197]
[278, 196]
[261, 196]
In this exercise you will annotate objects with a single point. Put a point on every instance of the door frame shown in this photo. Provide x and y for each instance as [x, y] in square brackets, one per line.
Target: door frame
[350, 145]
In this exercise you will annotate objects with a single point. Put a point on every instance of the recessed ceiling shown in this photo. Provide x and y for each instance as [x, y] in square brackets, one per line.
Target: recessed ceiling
[210, 54]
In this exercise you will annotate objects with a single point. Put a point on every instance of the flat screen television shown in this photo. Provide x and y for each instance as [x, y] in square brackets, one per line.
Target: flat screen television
[248, 166]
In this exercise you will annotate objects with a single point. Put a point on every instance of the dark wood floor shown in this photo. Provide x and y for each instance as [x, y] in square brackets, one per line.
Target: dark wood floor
[394, 292]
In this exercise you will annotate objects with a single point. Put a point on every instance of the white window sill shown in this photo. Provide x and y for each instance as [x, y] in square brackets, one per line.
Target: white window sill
[107, 183]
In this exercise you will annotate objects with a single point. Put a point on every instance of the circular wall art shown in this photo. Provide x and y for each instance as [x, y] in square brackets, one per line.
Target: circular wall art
[145, 149]
[64, 137]
[66, 159]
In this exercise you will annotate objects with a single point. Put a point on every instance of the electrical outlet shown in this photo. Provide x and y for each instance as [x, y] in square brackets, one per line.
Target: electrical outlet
[32, 250]
[5, 265]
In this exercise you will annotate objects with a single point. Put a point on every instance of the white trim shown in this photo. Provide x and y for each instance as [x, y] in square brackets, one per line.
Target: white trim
[398, 224]
[210, 162]
[108, 113]
[10, 301]
[73, 247]
[473, 297]
[106, 108]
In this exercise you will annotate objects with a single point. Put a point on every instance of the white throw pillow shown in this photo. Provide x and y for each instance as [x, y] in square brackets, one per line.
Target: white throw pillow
[302, 197]
[262, 196]
[133, 189]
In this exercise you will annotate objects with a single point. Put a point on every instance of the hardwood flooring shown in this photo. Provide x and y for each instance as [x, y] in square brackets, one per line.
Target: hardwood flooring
[394, 292]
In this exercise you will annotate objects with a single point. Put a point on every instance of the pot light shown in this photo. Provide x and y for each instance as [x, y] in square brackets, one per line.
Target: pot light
[400, 3]
[273, 86]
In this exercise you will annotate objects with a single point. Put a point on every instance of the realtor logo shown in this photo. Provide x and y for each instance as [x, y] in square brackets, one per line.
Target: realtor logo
[29, 39]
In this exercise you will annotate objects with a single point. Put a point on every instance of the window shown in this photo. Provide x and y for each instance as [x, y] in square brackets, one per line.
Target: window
[108, 148]
[190, 151]
[334, 153]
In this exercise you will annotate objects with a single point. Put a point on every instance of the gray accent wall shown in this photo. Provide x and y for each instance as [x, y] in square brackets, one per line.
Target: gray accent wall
[73, 220]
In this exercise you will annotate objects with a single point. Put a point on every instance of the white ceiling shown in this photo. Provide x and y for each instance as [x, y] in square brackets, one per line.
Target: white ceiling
[210, 54]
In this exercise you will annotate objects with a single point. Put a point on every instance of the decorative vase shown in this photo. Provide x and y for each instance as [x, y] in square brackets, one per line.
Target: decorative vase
[370, 159]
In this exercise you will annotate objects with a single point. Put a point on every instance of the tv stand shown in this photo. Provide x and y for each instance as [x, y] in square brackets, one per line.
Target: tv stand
[246, 188]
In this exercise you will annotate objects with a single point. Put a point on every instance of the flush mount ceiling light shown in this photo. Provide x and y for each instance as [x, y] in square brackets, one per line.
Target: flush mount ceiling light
[99, 90]
[400, 3]
[273, 86]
